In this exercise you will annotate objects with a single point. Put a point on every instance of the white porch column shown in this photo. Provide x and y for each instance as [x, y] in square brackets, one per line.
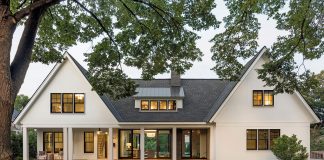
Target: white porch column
[65, 143]
[174, 143]
[212, 144]
[110, 144]
[70, 143]
[25, 144]
[142, 142]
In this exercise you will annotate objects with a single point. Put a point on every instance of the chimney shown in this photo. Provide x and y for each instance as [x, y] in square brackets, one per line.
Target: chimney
[175, 79]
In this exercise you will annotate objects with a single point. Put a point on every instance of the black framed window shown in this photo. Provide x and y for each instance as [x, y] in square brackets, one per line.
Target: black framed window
[194, 144]
[157, 143]
[56, 105]
[129, 144]
[48, 142]
[144, 105]
[261, 139]
[88, 142]
[268, 98]
[163, 105]
[154, 105]
[58, 142]
[67, 102]
[251, 139]
[257, 98]
[172, 105]
[79, 103]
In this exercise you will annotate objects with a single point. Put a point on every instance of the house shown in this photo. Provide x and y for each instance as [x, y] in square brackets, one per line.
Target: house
[14, 128]
[168, 119]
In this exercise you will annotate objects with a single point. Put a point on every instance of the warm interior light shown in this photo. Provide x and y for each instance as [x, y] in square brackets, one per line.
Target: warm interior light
[99, 131]
[128, 145]
[150, 135]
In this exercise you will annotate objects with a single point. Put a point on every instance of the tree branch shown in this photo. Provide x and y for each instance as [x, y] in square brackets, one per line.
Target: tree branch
[34, 6]
[23, 55]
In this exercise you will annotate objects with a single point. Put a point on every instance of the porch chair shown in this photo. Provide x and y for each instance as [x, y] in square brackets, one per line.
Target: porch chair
[41, 155]
[50, 156]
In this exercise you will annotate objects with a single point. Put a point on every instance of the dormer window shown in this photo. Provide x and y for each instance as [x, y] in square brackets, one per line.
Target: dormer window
[158, 105]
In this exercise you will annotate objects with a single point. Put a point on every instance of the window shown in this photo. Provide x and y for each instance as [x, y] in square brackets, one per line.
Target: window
[67, 103]
[263, 98]
[79, 103]
[261, 139]
[163, 105]
[48, 142]
[257, 98]
[157, 143]
[58, 142]
[194, 144]
[268, 98]
[158, 105]
[153, 105]
[53, 142]
[56, 103]
[251, 139]
[129, 143]
[88, 142]
[172, 105]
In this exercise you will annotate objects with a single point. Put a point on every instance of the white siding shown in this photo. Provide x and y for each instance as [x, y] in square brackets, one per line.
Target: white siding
[68, 79]
[288, 114]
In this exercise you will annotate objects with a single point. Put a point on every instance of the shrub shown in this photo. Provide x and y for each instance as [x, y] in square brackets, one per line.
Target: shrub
[289, 148]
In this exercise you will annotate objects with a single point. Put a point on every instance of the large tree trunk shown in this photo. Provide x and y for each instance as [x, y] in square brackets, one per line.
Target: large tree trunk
[7, 28]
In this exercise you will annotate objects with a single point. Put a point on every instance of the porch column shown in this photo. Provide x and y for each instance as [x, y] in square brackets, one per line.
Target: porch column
[142, 142]
[110, 144]
[25, 144]
[212, 144]
[70, 143]
[174, 143]
[65, 143]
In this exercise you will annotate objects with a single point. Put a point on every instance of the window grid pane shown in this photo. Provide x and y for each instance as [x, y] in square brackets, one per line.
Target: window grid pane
[163, 105]
[268, 98]
[48, 142]
[79, 103]
[56, 103]
[257, 98]
[172, 105]
[251, 139]
[58, 142]
[144, 105]
[263, 139]
[67, 102]
[88, 142]
[274, 133]
[153, 105]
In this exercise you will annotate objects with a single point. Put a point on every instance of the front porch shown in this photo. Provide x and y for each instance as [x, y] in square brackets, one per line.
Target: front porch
[126, 143]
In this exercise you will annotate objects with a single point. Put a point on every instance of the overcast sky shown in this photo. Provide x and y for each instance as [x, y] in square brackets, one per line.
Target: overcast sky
[267, 35]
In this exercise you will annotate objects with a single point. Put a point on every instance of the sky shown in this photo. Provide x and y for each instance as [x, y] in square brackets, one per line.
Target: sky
[268, 34]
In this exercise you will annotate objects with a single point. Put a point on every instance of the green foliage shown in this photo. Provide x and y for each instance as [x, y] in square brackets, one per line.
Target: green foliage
[21, 101]
[289, 148]
[303, 22]
[317, 138]
[17, 144]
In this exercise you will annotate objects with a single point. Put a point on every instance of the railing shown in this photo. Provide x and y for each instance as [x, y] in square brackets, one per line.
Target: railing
[317, 155]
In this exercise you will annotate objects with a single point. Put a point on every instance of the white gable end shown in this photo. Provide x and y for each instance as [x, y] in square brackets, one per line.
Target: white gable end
[239, 107]
[67, 79]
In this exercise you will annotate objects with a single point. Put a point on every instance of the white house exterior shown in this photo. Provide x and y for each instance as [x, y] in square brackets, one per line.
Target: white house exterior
[169, 119]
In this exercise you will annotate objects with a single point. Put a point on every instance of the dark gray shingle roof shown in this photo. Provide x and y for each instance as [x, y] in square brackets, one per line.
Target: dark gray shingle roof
[14, 115]
[203, 97]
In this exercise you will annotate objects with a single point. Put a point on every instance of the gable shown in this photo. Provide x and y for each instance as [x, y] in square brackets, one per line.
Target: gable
[65, 78]
[239, 105]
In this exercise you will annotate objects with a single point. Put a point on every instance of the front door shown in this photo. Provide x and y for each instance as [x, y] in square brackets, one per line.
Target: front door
[102, 146]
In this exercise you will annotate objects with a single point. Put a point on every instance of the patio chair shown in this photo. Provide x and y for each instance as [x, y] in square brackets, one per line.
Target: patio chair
[50, 156]
[60, 155]
[41, 155]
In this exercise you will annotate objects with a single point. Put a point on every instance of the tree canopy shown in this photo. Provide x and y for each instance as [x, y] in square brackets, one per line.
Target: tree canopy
[21, 101]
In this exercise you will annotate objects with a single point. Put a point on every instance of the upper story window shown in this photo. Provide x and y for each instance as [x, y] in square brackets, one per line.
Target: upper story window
[263, 98]
[67, 103]
[158, 105]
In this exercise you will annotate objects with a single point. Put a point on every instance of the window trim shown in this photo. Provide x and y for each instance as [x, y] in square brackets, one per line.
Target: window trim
[51, 103]
[263, 98]
[84, 141]
[148, 105]
[51, 142]
[57, 142]
[158, 107]
[256, 140]
[191, 157]
[84, 102]
[267, 139]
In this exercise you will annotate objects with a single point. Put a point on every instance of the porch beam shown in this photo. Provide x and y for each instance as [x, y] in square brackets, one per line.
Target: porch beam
[70, 143]
[65, 143]
[110, 144]
[142, 143]
[174, 143]
[25, 144]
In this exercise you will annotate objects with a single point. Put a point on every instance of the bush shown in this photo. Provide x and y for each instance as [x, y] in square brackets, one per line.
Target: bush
[17, 144]
[289, 148]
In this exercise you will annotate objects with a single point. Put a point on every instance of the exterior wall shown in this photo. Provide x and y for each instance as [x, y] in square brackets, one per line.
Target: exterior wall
[68, 79]
[288, 114]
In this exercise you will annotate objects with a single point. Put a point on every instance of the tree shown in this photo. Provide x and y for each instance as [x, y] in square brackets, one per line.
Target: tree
[20, 102]
[289, 148]
[155, 36]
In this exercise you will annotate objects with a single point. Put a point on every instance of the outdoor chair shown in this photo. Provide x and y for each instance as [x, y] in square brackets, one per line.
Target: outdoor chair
[41, 155]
